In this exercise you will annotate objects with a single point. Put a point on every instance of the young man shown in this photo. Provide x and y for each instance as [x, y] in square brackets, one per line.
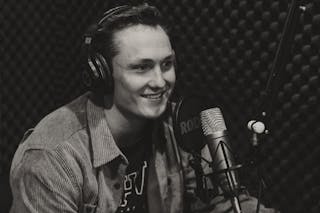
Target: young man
[113, 149]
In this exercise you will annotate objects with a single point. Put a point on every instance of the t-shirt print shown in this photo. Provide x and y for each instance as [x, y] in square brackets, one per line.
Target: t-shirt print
[134, 198]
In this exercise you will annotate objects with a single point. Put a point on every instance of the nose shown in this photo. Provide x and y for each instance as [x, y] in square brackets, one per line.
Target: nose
[157, 78]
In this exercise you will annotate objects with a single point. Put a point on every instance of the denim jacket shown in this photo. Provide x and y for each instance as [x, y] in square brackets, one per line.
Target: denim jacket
[71, 163]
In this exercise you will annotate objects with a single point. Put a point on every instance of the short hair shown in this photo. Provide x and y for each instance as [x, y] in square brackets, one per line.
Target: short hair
[103, 31]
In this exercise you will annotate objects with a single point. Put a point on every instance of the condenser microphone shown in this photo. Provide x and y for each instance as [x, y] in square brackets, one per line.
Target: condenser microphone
[215, 132]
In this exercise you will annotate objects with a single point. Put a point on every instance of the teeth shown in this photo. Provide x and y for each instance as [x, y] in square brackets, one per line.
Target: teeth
[153, 96]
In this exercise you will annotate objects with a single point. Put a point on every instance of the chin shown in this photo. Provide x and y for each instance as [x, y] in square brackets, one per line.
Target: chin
[154, 113]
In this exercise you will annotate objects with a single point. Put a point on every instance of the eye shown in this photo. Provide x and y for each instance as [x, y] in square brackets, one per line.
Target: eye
[144, 67]
[167, 64]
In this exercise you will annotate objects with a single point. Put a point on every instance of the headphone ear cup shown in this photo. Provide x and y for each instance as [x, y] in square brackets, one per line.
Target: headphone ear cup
[105, 72]
[90, 74]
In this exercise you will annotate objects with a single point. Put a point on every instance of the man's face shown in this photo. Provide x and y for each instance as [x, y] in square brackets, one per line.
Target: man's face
[143, 71]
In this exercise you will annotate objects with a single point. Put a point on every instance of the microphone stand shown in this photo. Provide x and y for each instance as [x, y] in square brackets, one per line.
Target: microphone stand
[231, 183]
[268, 95]
[255, 162]
[232, 189]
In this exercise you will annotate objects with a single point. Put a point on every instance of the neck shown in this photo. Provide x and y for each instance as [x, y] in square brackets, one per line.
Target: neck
[126, 130]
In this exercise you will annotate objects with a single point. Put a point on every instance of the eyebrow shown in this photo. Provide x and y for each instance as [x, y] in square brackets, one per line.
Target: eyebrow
[148, 60]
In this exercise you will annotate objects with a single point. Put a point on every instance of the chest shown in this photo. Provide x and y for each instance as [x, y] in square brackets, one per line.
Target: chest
[164, 187]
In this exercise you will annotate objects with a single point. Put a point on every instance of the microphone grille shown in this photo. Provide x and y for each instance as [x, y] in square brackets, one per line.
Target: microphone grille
[212, 121]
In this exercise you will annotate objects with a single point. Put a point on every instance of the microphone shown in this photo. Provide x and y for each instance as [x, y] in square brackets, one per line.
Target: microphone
[190, 138]
[215, 132]
[256, 127]
[187, 124]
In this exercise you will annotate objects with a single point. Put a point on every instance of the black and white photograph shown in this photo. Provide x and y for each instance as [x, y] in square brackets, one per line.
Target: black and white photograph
[160, 106]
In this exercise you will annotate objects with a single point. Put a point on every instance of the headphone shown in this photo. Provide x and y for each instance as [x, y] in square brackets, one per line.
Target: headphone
[98, 76]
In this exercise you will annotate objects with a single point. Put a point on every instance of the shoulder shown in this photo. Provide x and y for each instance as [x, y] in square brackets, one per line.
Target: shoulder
[64, 121]
[41, 182]
[44, 169]
[60, 135]
[59, 125]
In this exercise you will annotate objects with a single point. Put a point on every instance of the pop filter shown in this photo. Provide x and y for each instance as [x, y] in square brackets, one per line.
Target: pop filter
[187, 124]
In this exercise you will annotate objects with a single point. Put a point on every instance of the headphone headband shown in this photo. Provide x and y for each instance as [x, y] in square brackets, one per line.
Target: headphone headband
[112, 12]
[106, 15]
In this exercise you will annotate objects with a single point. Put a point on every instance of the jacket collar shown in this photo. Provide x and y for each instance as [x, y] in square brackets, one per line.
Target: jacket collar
[104, 147]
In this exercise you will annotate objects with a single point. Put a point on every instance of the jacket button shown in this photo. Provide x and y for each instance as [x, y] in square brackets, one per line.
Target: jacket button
[116, 185]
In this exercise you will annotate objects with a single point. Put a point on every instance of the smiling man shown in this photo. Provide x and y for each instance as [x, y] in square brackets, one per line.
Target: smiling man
[143, 70]
[113, 148]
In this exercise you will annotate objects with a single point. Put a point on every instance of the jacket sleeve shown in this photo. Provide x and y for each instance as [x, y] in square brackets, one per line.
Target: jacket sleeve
[40, 182]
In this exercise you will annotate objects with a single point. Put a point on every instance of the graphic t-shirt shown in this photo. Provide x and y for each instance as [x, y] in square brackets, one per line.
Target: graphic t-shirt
[134, 197]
